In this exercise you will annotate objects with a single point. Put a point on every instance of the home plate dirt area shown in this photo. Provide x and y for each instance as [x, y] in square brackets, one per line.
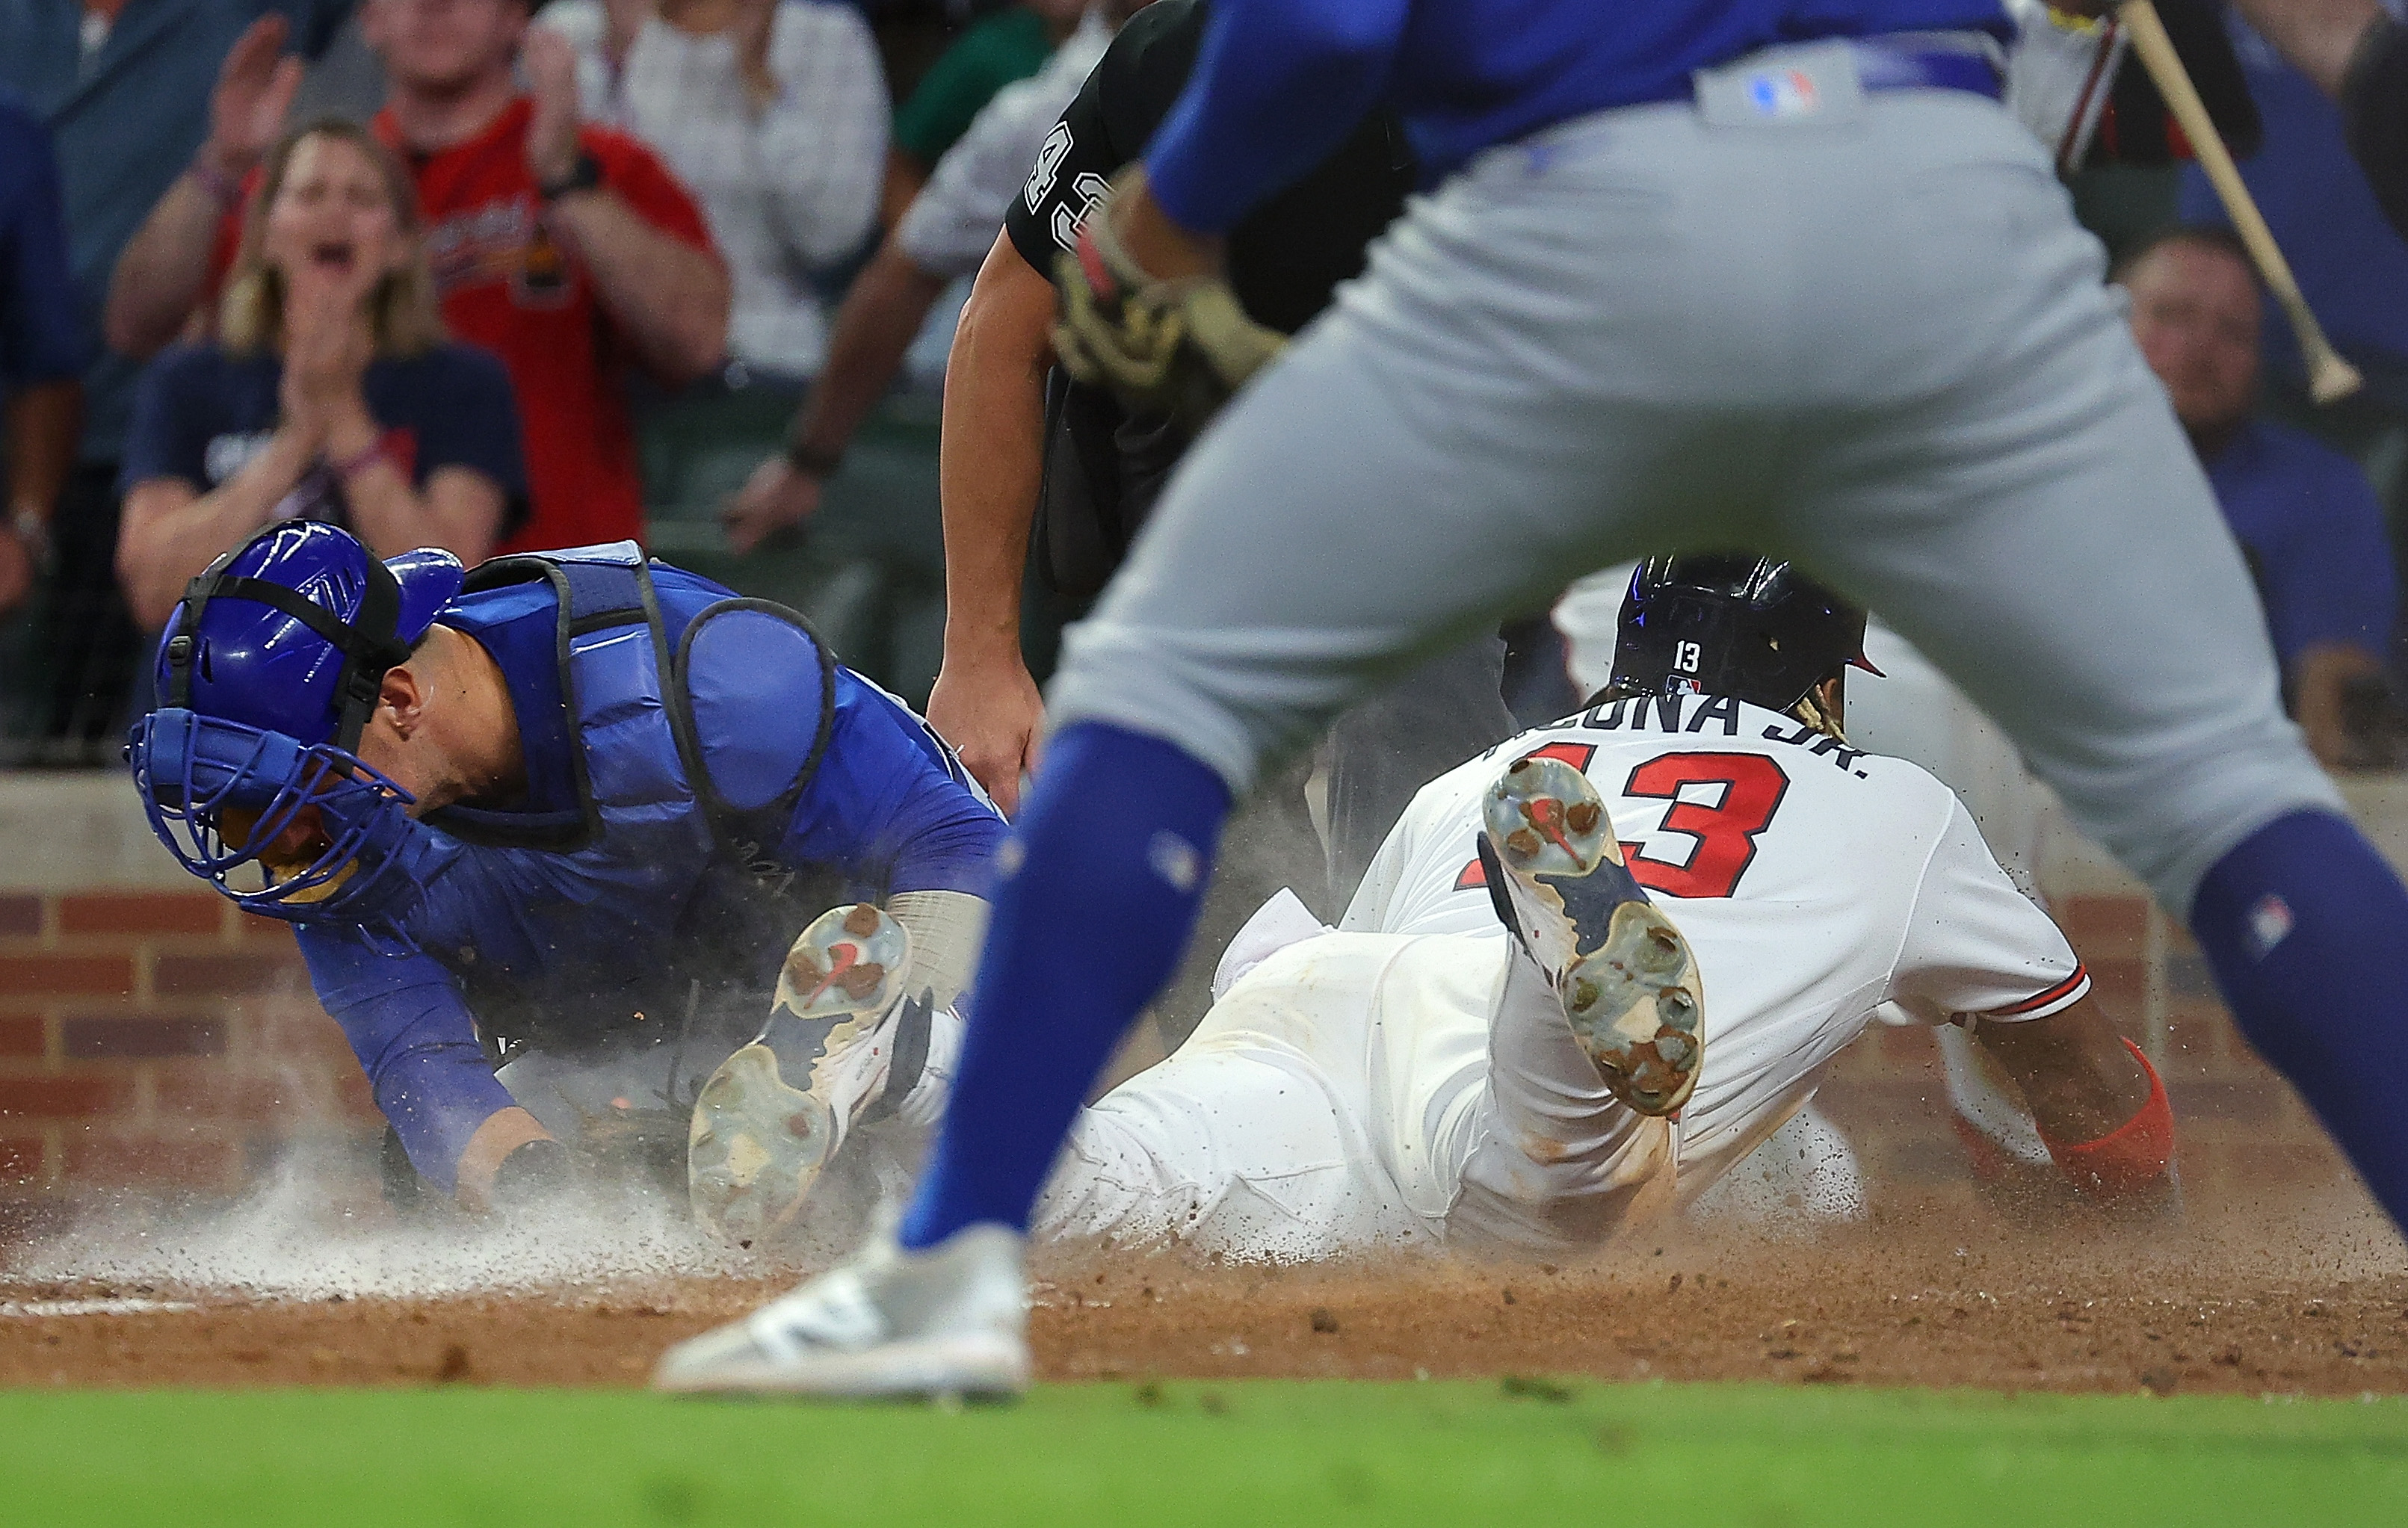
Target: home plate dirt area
[2295, 1298]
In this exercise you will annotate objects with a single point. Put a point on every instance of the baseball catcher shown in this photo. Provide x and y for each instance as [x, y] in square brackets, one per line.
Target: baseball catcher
[555, 834]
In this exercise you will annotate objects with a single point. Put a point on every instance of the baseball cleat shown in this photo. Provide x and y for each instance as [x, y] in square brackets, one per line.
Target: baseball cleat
[771, 1118]
[948, 1321]
[1626, 979]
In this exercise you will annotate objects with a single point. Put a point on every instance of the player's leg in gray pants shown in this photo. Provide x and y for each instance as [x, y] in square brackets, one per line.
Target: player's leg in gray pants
[1881, 347]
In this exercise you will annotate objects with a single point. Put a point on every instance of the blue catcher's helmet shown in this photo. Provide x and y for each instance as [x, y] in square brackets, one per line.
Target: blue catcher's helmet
[267, 672]
[1733, 624]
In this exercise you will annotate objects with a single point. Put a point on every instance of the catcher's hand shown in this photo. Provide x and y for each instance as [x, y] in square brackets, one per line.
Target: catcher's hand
[1173, 349]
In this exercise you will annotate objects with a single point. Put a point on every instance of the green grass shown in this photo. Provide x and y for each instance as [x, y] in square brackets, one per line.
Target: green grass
[1443, 1454]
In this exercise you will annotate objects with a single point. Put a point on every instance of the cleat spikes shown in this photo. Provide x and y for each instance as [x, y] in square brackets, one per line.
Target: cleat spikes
[769, 1120]
[1626, 978]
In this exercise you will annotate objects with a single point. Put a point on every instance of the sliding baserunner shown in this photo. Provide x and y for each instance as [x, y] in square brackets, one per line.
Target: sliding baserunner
[1707, 891]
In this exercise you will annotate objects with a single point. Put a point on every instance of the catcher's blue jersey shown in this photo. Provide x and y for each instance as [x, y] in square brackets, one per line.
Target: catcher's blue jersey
[700, 780]
[1278, 83]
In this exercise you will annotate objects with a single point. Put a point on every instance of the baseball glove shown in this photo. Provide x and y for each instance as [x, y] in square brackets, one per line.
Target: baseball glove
[1170, 348]
[637, 1147]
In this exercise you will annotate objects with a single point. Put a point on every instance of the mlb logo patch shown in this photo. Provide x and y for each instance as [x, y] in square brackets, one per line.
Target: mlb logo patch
[2269, 924]
[1782, 93]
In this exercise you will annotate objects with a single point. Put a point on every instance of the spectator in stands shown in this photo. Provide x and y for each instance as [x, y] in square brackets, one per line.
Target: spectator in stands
[2352, 264]
[328, 393]
[2303, 512]
[124, 88]
[1000, 49]
[565, 249]
[952, 223]
[775, 113]
[2357, 53]
[43, 349]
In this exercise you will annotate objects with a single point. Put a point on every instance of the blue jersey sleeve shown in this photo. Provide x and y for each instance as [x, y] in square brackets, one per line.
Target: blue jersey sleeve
[413, 1034]
[1278, 85]
[886, 809]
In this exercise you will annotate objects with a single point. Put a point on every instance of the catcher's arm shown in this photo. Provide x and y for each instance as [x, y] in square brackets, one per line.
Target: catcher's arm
[1147, 312]
[2101, 1110]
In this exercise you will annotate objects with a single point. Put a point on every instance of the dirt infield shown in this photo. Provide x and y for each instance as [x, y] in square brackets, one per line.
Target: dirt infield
[2310, 1300]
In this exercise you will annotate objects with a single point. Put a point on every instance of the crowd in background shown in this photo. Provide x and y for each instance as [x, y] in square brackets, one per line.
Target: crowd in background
[438, 269]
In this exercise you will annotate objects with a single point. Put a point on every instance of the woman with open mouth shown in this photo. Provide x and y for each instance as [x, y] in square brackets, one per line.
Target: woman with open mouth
[328, 393]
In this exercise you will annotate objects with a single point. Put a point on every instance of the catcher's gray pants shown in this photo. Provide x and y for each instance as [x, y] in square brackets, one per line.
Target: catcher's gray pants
[1879, 346]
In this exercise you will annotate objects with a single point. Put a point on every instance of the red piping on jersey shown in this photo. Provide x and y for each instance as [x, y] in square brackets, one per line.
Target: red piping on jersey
[2069, 987]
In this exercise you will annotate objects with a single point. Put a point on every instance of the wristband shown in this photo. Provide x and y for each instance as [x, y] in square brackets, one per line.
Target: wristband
[358, 461]
[812, 461]
[2134, 1156]
[34, 533]
[226, 190]
[585, 175]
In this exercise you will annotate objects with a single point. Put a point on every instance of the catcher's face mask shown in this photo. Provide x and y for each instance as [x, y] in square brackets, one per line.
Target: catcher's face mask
[287, 640]
[322, 828]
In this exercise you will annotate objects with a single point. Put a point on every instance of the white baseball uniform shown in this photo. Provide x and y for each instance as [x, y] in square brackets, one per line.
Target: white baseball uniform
[1407, 1078]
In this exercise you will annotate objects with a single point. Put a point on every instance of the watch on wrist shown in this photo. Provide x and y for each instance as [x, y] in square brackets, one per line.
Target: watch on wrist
[814, 461]
[587, 175]
[33, 532]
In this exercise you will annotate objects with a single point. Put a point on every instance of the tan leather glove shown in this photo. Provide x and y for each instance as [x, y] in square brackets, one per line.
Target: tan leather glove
[1165, 347]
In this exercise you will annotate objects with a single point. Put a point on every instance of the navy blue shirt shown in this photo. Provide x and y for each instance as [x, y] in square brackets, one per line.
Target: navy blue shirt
[2313, 529]
[42, 336]
[202, 412]
[2351, 263]
[1280, 83]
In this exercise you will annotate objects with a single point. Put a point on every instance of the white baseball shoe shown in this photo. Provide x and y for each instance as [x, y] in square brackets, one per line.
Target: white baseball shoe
[1626, 979]
[838, 1049]
[949, 1322]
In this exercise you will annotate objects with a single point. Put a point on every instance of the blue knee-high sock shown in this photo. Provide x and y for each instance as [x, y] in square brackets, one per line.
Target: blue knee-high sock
[1099, 889]
[2306, 928]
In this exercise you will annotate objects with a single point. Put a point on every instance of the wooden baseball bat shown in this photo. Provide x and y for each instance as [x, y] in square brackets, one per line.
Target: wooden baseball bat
[2330, 379]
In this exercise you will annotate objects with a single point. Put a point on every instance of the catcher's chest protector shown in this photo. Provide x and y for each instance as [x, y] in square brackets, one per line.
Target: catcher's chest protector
[654, 895]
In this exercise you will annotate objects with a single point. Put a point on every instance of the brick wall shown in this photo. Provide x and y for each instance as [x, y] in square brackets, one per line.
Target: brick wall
[159, 1041]
[164, 1042]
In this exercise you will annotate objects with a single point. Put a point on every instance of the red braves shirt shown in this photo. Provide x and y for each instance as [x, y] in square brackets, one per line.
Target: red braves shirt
[507, 283]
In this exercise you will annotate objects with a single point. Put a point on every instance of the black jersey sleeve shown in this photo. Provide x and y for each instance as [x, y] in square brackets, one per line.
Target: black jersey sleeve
[1126, 97]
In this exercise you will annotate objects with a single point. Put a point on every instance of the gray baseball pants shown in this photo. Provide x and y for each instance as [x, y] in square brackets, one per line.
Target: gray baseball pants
[1877, 345]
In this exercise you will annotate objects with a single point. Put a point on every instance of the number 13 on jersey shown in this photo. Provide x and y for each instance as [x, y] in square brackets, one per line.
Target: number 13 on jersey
[1720, 802]
[1723, 827]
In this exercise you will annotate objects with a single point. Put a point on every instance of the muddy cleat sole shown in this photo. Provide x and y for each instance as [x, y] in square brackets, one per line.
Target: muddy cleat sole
[771, 1118]
[1626, 979]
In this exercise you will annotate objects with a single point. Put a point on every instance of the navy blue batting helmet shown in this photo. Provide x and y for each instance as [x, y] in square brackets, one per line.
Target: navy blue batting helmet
[1732, 624]
[266, 673]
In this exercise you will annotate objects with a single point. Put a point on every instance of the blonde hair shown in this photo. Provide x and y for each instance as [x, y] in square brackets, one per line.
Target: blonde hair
[402, 314]
[1808, 710]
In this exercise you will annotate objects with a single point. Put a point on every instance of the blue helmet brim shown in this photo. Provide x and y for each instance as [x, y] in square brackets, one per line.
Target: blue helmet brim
[430, 579]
